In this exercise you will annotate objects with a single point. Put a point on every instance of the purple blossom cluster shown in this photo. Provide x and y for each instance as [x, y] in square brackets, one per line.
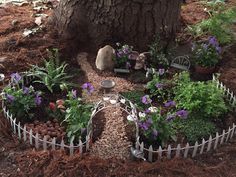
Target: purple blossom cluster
[15, 77]
[146, 99]
[88, 87]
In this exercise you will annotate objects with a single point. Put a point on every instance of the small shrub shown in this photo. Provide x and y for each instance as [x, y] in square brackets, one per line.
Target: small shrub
[123, 55]
[53, 74]
[195, 129]
[199, 98]
[207, 54]
[219, 25]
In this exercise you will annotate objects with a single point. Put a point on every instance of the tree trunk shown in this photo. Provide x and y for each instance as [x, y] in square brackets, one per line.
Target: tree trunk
[100, 22]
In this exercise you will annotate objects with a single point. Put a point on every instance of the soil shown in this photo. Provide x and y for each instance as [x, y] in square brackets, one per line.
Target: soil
[18, 159]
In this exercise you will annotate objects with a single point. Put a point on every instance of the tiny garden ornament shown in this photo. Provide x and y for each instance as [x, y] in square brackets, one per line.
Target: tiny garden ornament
[140, 61]
[105, 58]
[206, 55]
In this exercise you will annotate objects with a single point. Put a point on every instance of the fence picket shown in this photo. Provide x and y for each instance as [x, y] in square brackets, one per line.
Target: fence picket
[228, 134]
[14, 126]
[169, 152]
[30, 137]
[62, 144]
[159, 153]
[223, 137]
[44, 143]
[203, 145]
[71, 148]
[186, 150]
[216, 140]
[233, 131]
[87, 141]
[53, 143]
[24, 133]
[177, 154]
[209, 143]
[195, 149]
[36, 141]
[150, 154]
[80, 147]
[19, 130]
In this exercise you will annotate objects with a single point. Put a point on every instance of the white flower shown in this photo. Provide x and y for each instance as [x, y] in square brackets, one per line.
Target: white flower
[141, 114]
[131, 118]
[153, 109]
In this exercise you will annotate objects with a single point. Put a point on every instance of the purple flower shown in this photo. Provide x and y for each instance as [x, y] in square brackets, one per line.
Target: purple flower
[10, 98]
[182, 113]
[170, 103]
[128, 65]
[15, 77]
[74, 93]
[146, 99]
[38, 99]
[205, 46]
[149, 121]
[213, 41]
[88, 87]
[144, 125]
[26, 90]
[159, 85]
[161, 72]
[218, 49]
[119, 54]
[170, 118]
[155, 133]
[147, 111]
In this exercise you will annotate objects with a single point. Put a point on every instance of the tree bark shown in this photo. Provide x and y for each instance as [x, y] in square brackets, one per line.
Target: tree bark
[100, 22]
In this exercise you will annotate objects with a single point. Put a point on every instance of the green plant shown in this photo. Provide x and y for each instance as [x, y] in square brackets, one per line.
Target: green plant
[20, 101]
[156, 124]
[77, 115]
[219, 25]
[196, 129]
[207, 54]
[158, 54]
[201, 99]
[160, 87]
[134, 96]
[53, 74]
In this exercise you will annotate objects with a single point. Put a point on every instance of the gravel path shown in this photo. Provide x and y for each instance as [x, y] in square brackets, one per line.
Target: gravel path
[113, 142]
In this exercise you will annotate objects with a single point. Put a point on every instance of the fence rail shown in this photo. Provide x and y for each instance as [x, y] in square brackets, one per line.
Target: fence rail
[192, 150]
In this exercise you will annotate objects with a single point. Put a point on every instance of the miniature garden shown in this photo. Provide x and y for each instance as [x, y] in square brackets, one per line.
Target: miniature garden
[128, 103]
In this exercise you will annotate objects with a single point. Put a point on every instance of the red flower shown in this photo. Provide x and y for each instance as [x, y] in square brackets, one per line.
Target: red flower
[52, 106]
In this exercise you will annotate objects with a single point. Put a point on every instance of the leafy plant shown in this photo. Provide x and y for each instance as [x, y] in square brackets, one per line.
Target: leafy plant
[158, 54]
[219, 25]
[156, 124]
[53, 74]
[20, 101]
[196, 129]
[207, 54]
[77, 115]
[160, 87]
[199, 98]
[134, 96]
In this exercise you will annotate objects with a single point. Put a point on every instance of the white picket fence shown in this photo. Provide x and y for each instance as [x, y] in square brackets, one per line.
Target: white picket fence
[34, 138]
[192, 150]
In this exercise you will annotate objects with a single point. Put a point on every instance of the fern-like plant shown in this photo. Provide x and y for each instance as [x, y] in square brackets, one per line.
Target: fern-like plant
[52, 74]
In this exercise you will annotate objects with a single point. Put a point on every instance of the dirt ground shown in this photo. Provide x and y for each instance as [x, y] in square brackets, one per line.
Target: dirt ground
[19, 160]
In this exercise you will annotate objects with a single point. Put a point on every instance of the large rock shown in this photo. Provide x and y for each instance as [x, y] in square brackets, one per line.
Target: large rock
[105, 58]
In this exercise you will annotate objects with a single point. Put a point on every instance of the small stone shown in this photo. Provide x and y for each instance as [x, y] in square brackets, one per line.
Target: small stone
[105, 58]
